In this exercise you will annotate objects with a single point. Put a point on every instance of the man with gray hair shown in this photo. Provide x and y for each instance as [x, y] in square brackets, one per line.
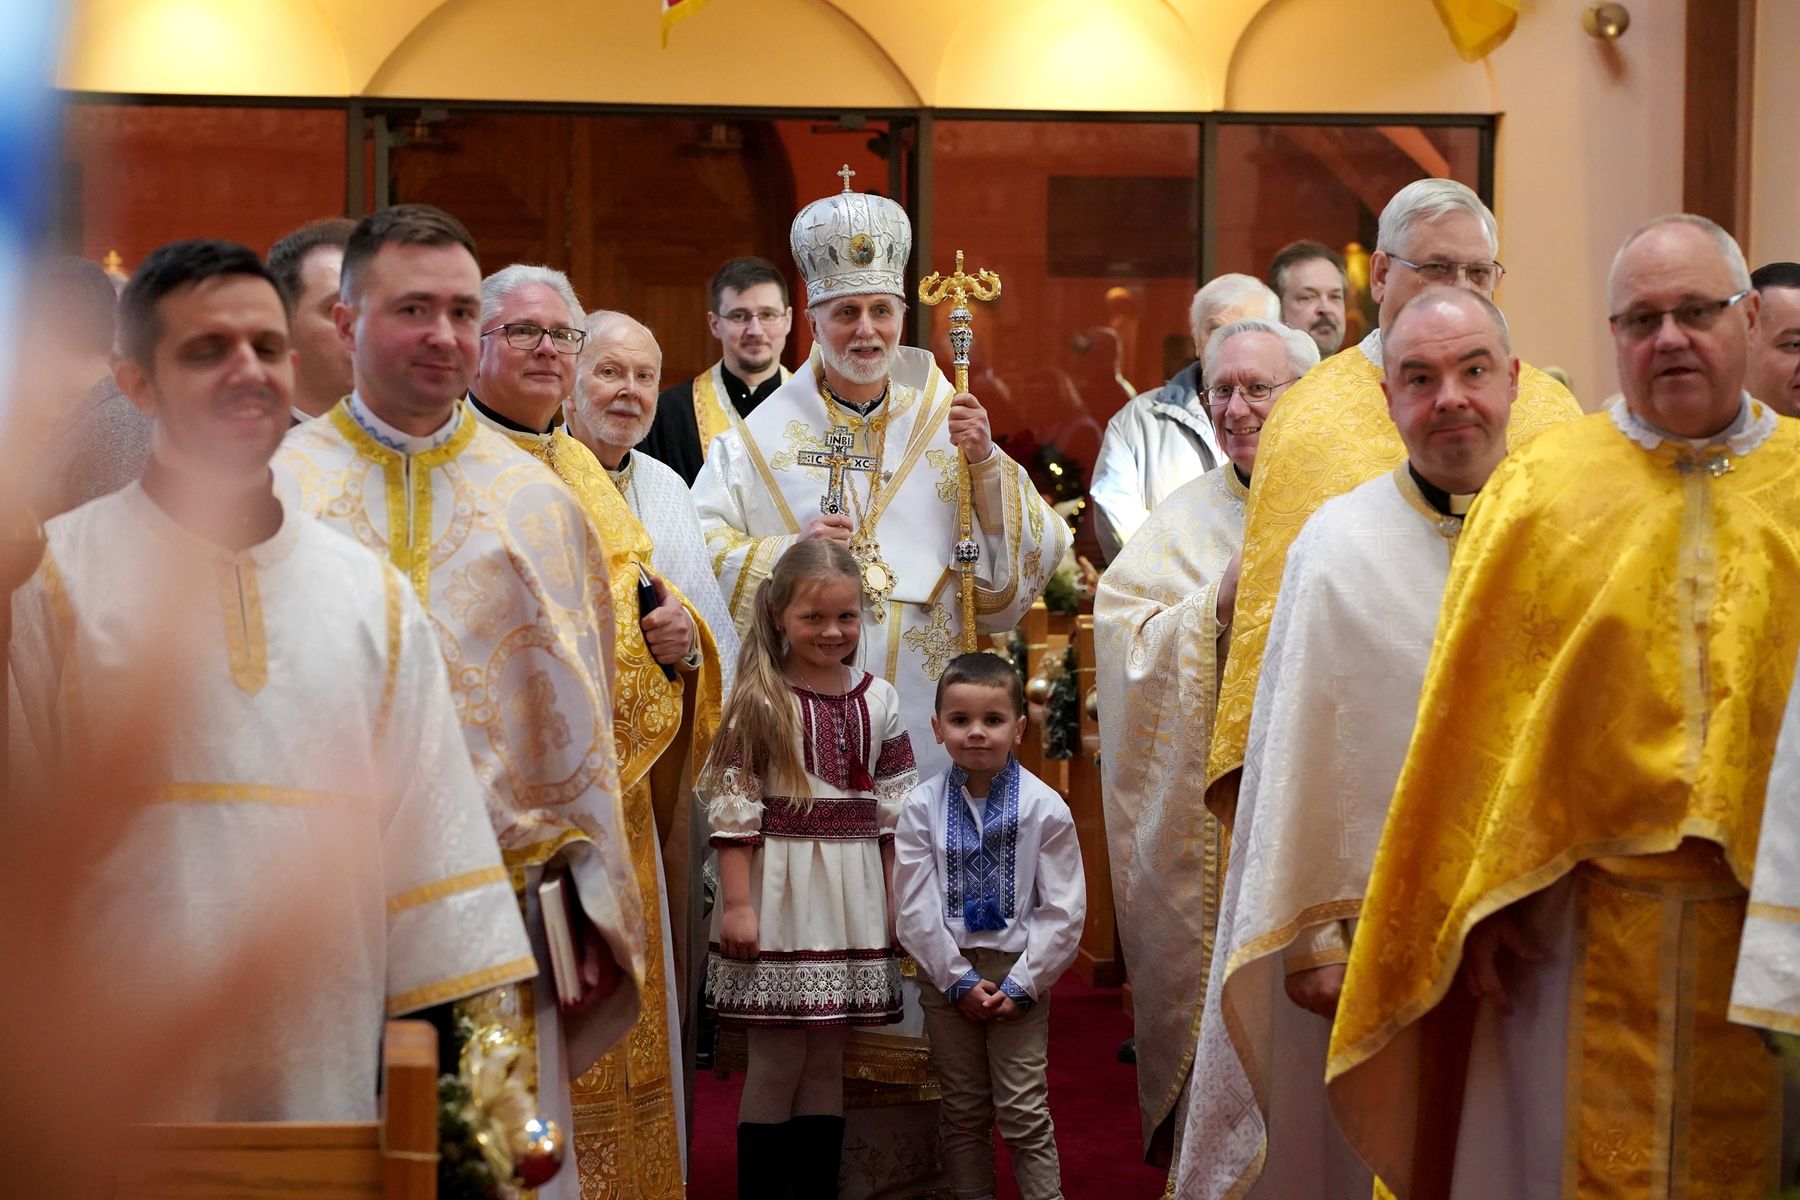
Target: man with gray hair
[1163, 438]
[1560, 891]
[1334, 712]
[1333, 431]
[628, 1108]
[1162, 622]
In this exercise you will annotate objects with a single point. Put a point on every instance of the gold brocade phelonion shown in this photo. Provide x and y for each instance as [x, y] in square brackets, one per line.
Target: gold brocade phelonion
[877, 575]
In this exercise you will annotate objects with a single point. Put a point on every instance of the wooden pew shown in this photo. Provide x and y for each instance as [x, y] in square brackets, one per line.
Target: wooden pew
[1097, 961]
[396, 1159]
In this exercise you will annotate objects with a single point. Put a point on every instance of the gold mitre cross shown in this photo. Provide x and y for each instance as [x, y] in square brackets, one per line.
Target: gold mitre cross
[837, 459]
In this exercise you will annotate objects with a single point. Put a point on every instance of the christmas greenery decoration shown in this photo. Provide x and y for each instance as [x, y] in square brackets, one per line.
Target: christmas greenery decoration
[1062, 717]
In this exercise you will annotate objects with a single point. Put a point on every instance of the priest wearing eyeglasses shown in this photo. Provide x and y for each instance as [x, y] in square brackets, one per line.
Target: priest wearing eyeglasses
[749, 314]
[628, 1108]
[1537, 997]
[1162, 625]
[1332, 431]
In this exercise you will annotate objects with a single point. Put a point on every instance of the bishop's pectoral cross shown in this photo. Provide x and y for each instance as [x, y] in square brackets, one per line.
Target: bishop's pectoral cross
[837, 459]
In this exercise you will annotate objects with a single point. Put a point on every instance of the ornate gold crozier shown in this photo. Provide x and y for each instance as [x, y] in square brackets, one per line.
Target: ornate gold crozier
[959, 289]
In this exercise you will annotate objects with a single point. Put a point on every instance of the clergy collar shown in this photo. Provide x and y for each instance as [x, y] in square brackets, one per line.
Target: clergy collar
[1448, 504]
[495, 417]
[394, 439]
[863, 409]
[1242, 477]
[741, 389]
[1370, 348]
[1751, 428]
[620, 475]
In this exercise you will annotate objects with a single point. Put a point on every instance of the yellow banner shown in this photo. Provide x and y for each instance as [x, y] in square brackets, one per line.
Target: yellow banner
[675, 11]
[1477, 27]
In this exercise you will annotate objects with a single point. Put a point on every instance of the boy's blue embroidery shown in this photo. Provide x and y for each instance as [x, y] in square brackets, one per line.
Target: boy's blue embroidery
[980, 865]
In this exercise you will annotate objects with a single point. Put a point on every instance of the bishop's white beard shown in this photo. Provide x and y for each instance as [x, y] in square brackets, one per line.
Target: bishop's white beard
[855, 371]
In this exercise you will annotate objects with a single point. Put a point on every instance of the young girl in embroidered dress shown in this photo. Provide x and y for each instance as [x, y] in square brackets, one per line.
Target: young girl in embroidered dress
[805, 781]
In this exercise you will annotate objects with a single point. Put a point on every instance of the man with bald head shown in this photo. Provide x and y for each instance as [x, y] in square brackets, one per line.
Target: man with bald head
[1162, 624]
[1346, 655]
[614, 402]
[1165, 437]
[1333, 432]
[1561, 884]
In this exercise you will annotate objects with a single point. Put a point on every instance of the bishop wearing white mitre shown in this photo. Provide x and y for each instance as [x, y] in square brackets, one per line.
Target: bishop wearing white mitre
[899, 424]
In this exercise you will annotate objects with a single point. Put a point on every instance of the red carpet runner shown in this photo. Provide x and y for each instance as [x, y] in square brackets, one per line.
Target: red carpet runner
[1093, 1099]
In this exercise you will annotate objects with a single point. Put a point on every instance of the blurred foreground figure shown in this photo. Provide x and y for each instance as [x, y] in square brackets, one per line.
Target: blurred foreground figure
[1537, 994]
[90, 440]
[292, 844]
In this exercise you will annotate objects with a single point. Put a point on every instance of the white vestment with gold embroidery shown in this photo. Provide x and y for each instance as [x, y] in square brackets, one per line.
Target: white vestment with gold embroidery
[1159, 650]
[299, 846]
[1765, 990]
[1334, 713]
[514, 579]
[754, 498]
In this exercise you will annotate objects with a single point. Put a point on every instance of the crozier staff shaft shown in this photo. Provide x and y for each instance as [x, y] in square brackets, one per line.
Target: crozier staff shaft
[960, 288]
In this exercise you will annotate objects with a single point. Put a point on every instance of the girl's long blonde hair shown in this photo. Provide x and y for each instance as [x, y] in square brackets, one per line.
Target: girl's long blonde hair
[759, 728]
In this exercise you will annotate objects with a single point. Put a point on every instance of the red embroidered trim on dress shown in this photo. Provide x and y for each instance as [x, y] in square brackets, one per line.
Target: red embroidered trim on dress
[896, 757]
[828, 820]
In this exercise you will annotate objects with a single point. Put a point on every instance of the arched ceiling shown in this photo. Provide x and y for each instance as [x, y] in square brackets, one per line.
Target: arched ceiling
[1072, 55]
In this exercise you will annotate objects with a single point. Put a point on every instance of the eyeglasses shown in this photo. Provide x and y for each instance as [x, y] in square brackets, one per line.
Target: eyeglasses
[523, 336]
[1639, 324]
[1253, 393]
[740, 318]
[1482, 276]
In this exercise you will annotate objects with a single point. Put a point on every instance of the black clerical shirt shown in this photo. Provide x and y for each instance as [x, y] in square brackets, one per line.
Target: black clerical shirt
[674, 437]
[1441, 501]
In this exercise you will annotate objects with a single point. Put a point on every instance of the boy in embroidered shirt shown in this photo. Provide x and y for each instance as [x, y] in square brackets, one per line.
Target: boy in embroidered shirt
[990, 899]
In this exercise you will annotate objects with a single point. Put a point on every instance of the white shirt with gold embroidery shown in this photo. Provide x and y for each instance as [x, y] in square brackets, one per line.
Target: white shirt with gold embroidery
[513, 578]
[301, 847]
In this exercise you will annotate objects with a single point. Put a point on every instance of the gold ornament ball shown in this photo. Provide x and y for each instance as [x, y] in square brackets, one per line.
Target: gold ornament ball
[544, 1145]
[1606, 21]
[1037, 691]
[1092, 704]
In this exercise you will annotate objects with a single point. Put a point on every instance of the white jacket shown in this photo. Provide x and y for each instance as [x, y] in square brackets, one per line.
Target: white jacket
[1157, 442]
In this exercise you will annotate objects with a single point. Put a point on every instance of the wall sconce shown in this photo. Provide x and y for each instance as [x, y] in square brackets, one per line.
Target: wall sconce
[1608, 22]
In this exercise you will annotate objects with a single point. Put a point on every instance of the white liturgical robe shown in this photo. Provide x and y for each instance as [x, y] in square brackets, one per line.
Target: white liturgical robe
[1334, 712]
[514, 579]
[1159, 648]
[754, 498]
[303, 847]
[1766, 988]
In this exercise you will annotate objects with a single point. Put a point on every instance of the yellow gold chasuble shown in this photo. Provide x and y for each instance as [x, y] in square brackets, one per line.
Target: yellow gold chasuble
[1611, 668]
[626, 1138]
[1330, 433]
